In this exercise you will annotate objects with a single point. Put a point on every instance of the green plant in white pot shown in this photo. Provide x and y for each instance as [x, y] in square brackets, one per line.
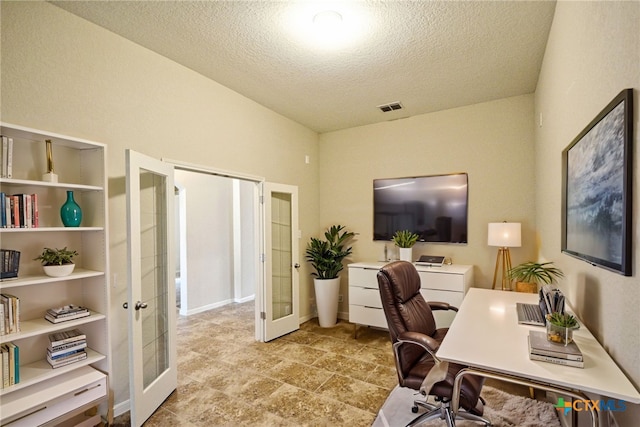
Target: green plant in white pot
[326, 258]
[57, 262]
[405, 239]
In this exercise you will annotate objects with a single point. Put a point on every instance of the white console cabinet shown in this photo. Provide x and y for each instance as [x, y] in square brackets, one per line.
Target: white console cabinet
[448, 283]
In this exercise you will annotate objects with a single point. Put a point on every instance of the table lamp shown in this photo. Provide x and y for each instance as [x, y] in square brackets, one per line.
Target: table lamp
[505, 235]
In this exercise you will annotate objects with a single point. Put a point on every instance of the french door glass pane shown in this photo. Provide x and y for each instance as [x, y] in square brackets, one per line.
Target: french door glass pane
[153, 239]
[282, 282]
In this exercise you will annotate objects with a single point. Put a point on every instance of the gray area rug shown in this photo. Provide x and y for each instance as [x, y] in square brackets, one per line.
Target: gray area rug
[502, 409]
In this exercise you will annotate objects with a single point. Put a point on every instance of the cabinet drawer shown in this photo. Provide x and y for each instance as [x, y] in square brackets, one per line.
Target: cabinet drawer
[367, 316]
[453, 298]
[365, 296]
[446, 282]
[54, 398]
[366, 277]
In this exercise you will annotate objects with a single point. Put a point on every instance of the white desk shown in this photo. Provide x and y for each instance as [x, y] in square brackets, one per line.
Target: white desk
[486, 336]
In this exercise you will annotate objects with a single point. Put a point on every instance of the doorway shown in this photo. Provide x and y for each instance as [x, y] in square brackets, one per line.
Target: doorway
[217, 240]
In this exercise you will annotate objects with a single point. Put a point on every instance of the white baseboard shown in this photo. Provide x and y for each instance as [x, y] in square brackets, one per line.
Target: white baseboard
[215, 305]
[121, 408]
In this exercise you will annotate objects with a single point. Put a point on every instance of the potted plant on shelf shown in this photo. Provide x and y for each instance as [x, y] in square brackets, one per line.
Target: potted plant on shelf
[405, 239]
[529, 274]
[57, 262]
[326, 258]
[560, 327]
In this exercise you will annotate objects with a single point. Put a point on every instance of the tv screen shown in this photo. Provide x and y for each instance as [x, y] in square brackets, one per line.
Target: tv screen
[597, 197]
[433, 207]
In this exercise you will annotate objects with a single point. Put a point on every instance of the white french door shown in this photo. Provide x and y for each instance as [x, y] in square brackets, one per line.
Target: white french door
[151, 300]
[280, 295]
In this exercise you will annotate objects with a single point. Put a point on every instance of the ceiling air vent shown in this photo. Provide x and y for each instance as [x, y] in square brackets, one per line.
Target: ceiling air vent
[385, 108]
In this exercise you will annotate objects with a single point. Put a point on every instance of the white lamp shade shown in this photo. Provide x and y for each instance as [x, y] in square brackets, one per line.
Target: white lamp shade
[505, 234]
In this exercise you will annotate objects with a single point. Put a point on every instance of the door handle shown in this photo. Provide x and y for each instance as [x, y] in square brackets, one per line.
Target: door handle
[125, 305]
[296, 266]
[140, 305]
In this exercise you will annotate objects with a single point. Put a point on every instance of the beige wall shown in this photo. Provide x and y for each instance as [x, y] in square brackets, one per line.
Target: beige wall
[492, 142]
[592, 54]
[63, 74]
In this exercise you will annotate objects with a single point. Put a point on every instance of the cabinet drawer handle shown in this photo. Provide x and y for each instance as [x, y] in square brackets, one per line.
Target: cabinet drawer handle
[86, 390]
[375, 308]
[26, 415]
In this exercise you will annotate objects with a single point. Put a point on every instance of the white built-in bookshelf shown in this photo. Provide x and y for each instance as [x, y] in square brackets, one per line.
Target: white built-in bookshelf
[81, 168]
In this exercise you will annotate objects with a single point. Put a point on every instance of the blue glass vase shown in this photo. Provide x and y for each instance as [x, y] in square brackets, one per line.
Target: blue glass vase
[70, 212]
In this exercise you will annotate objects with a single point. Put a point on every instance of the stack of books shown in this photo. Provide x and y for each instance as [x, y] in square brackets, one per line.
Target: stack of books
[9, 314]
[66, 347]
[9, 365]
[65, 313]
[544, 350]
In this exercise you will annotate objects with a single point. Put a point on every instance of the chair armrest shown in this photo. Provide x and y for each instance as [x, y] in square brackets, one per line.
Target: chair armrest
[438, 305]
[424, 341]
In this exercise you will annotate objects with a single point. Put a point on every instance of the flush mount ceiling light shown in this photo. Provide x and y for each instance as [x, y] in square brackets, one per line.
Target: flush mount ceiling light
[327, 20]
[313, 25]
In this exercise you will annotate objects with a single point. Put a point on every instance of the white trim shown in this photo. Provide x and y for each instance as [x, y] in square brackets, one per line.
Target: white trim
[245, 299]
[213, 171]
[121, 408]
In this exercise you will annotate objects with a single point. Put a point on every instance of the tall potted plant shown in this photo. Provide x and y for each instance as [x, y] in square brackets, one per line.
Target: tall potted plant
[326, 258]
[529, 274]
[405, 240]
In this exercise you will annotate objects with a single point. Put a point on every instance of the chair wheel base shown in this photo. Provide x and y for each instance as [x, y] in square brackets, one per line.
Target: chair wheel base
[414, 409]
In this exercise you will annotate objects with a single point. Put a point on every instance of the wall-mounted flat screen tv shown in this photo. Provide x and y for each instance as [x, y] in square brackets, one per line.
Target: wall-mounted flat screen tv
[596, 189]
[433, 207]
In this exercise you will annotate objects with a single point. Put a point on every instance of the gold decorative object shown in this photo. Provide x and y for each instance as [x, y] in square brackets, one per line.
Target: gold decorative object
[50, 176]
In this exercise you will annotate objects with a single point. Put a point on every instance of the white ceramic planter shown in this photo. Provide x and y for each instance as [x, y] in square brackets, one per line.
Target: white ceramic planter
[406, 254]
[58, 270]
[327, 291]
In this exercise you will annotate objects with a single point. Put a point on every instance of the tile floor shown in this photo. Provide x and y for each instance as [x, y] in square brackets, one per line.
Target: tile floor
[312, 377]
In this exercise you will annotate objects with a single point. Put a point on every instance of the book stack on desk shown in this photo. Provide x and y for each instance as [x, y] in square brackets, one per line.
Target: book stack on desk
[546, 351]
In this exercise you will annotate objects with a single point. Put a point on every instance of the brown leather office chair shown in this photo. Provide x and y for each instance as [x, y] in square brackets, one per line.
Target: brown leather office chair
[416, 339]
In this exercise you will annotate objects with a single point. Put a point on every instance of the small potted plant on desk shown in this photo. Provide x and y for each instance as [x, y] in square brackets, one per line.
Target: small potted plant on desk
[560, 327]
[405, 239]
[326, 258]
[57, 262]
[529, 274]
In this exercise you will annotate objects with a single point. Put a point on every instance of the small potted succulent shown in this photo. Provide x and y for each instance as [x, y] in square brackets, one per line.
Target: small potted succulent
[57, 262]
[405, 239]
[560, 327]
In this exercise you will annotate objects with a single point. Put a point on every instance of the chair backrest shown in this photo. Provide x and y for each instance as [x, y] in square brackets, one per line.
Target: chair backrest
[405, 308]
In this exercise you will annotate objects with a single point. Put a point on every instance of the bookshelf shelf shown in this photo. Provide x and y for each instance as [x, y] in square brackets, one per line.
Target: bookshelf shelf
[34, 327]
[39, 279]
[40, 370]
[81, 167]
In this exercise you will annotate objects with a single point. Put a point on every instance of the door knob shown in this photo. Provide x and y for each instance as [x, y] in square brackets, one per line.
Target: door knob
[140, 305]
[296, 266]
[125, 305]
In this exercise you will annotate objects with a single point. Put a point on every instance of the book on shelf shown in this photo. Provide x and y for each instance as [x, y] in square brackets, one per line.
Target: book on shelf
[66, 348]
[66, 313]
[66, 318]
[66, 337]
[65, 353]
[11, 319]
[5, 366]
[19, 211]
[543, 350]
[64, 361]
[9, 263]
[6, 148]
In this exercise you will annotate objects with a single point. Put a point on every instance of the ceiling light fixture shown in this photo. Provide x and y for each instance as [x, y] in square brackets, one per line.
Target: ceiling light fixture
[328, 19]
[313, 25]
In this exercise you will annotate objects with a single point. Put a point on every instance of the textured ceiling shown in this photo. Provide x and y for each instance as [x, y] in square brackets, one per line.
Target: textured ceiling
[428, 55]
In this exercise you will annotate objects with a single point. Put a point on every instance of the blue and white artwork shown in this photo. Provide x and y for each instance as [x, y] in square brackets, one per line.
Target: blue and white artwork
[595, 186]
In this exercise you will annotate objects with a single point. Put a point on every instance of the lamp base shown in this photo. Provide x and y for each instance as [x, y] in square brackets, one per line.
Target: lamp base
[504, 258]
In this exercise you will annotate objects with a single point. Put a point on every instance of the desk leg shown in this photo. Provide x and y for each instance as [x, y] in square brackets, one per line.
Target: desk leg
[455, 399]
